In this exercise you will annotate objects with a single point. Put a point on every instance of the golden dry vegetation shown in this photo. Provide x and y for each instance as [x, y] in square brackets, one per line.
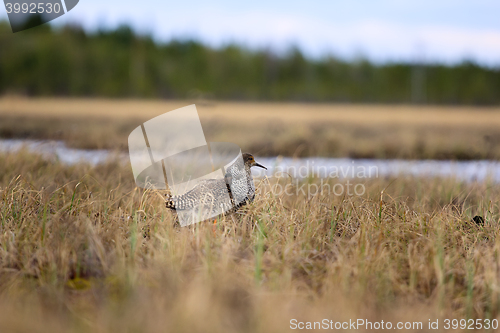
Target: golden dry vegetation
[271, 129]
[83, 250]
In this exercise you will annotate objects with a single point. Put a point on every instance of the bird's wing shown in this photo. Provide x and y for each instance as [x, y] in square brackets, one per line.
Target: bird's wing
[209, 191]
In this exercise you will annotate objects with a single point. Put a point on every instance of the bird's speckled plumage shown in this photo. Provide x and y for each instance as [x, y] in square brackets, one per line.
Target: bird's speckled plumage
[220, 195]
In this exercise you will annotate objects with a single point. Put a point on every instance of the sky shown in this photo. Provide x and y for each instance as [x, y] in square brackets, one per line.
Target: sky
[447, 31]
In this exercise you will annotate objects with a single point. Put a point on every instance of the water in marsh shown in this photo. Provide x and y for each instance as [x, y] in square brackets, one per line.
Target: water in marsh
[295, 167]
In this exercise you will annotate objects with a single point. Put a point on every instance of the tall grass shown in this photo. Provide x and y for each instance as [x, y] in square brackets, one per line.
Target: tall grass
[83, 250]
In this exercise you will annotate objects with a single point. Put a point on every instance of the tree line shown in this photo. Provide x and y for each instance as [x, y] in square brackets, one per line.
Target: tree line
[68, 61]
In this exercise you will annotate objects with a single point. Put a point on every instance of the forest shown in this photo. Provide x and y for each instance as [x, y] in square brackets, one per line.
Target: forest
[117, 63]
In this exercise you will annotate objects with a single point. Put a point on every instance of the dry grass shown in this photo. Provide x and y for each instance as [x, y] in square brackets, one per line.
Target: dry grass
[271, 129]
[83, 250]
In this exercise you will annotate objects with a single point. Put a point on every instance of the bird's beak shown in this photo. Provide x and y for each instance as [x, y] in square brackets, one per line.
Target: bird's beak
[260, 165]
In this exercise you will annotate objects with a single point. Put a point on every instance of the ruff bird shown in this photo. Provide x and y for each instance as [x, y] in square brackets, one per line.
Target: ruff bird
[219, 196]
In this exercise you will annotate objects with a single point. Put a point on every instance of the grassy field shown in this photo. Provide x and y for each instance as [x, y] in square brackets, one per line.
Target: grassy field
[83, 250]
[266, 129]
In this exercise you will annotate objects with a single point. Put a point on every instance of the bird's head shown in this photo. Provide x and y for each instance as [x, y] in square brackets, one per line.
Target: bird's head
[249, 160]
